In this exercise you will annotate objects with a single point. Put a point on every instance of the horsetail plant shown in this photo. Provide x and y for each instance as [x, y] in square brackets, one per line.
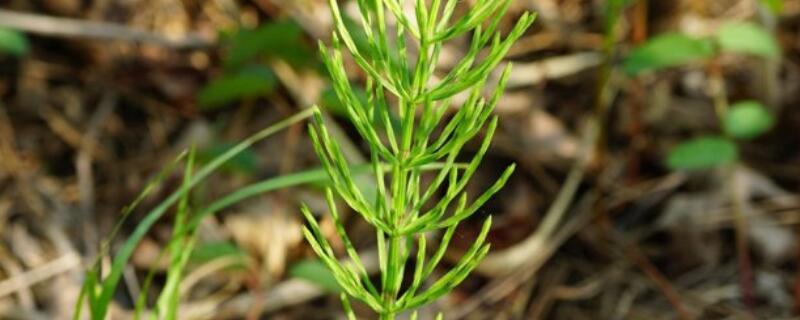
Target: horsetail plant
[407, 137]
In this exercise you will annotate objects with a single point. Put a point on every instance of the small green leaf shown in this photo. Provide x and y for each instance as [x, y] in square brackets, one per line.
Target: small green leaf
[702, 153]
[363, 43]
[215, 250]
[776, 6]
[749, 38]
[13, 42]
[315, 272]
[283, 39]
[747, 120]
[331, 101]
[245, 162]
[667, 50]
[230, 88]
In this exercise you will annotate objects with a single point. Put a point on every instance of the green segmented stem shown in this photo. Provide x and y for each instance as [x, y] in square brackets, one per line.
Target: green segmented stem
[404, 139]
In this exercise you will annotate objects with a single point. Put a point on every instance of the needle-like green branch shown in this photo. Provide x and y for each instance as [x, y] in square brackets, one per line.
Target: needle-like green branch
[411, 134]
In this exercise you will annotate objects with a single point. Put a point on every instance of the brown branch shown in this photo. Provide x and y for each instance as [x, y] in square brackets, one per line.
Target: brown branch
[65, 27]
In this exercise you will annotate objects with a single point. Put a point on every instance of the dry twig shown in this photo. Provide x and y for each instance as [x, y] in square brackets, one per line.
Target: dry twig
[64, 27]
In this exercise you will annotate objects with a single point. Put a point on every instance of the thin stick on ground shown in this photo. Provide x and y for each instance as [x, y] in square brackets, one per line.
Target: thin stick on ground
[65, 27]
[721, 106]
[666, 288]
[31, 277]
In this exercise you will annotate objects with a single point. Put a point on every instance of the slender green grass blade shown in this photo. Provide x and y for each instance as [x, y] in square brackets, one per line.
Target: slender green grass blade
[109, 284]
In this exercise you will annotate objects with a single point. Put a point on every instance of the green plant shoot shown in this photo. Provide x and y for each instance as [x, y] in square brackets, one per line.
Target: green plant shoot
[399, 60]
